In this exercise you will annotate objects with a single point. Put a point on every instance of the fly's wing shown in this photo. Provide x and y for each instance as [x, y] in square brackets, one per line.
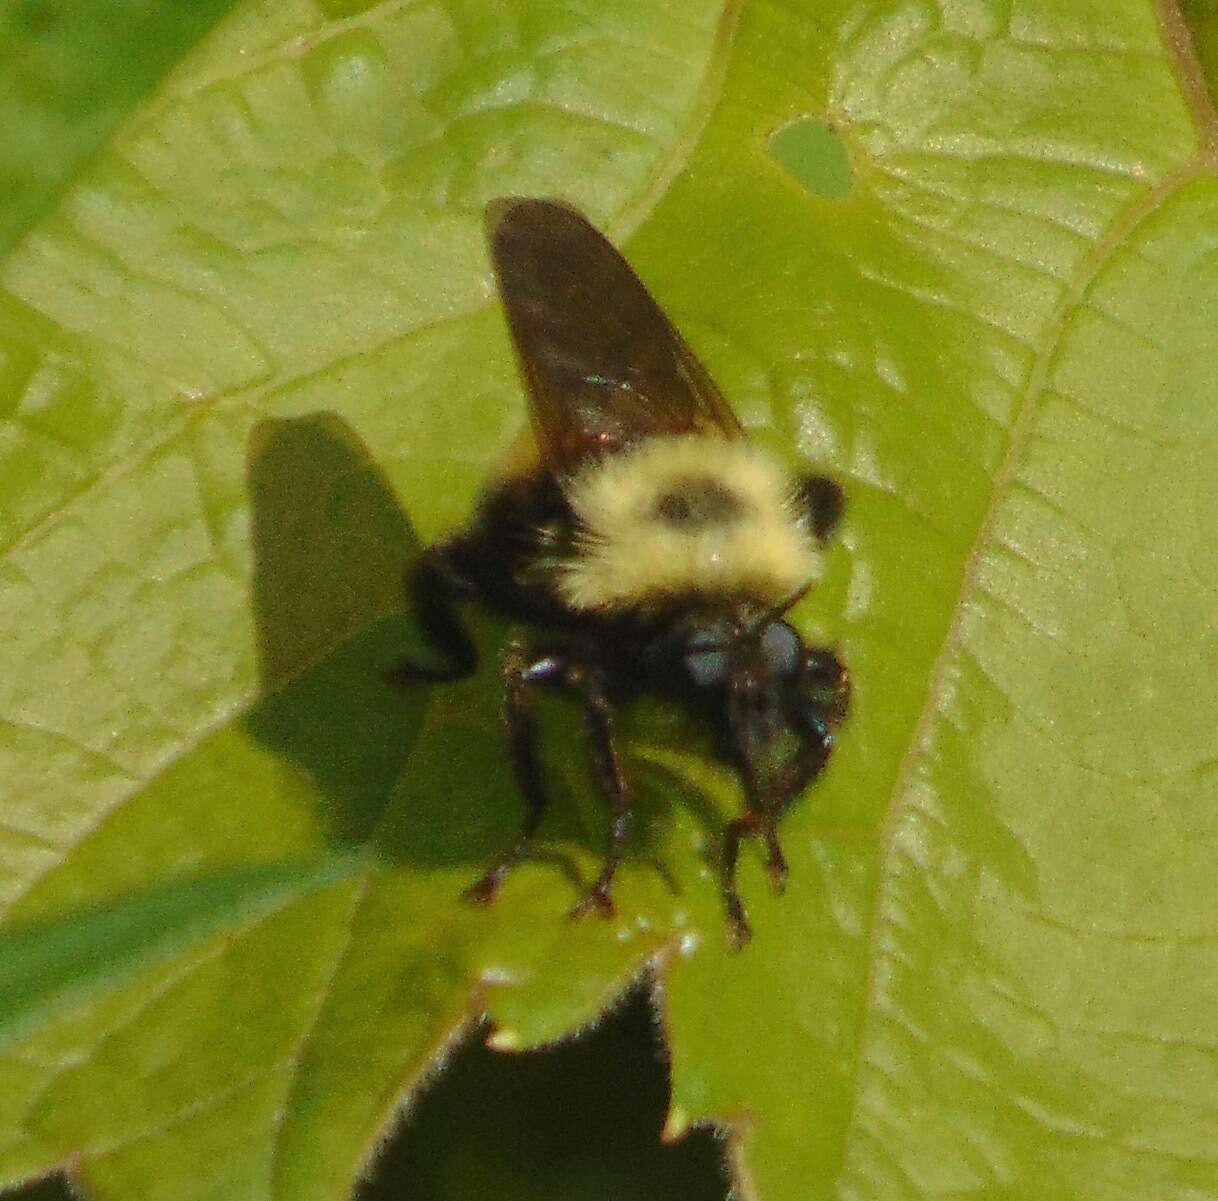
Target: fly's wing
[603, 366]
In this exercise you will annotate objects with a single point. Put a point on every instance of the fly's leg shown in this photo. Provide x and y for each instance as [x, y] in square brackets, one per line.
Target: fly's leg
[436, 586]
[759, 820]
[752, 823]
[805, 765]
[820, 708]
[747, 824]
[598, 721]
[519, 675]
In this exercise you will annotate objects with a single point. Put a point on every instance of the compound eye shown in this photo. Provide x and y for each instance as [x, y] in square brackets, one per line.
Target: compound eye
[782, 648]
[706, 660]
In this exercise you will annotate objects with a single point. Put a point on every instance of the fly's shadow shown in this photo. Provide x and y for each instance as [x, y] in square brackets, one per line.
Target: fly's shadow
[329, 544]
[331, 550]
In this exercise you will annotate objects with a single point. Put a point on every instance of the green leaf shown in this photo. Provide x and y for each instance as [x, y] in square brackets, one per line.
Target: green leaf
[64, 960]
[251, 362]
[71, 73]
[580, 1119]
[1199, 26]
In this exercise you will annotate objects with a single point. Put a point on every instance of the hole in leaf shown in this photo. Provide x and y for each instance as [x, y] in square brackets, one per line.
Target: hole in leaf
[49, 1188]
[582, 1119]
[812, 153]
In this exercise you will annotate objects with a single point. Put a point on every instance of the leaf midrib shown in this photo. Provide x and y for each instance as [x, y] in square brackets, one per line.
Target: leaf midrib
[1179, 49]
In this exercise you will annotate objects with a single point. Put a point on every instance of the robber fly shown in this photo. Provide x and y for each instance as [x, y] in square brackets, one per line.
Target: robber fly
[649, 547]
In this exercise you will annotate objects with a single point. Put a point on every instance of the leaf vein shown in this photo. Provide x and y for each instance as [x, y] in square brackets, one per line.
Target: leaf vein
[883, 915]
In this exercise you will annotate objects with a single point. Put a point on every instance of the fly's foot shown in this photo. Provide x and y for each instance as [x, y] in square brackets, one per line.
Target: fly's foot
[598, 901]
[738, 929]
[484, 891]
[776, 863]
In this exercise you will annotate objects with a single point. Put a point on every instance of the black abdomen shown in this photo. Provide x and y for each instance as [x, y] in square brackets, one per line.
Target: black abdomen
[509, 550]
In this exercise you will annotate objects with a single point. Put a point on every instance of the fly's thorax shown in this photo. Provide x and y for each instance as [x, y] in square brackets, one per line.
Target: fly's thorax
[688, 515]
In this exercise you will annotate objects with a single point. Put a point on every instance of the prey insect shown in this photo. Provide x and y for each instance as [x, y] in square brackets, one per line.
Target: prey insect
[650, 548]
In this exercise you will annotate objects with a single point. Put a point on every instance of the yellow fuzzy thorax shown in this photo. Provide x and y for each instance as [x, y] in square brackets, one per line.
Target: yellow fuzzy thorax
[629, 552]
